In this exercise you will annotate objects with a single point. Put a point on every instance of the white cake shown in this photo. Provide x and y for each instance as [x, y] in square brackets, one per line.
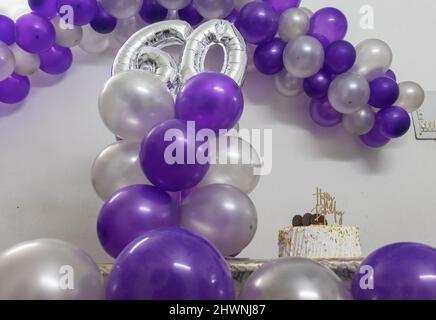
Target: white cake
[320, 242]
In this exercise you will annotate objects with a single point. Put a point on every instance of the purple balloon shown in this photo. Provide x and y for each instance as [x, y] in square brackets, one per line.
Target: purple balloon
[374, 138]
[166, 174]
[393, 122]
[7, 27]
[151, 11]
[190, 14]
[317, 86]
[384, 92]
[400, 271]
[170, 264]
[391, 74]
[328, 25]
[213, 100]
[56, 60]
[281, 6]
[323, 114]
[233, 16]
[133, 211]
[45, 8]
[268, 56]
[14, 89]
[83, 10]
[340, 56]
[258, 22]
[103, 22]
[34, 33]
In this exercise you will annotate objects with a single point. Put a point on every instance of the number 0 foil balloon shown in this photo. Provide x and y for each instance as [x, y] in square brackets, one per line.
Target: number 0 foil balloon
[215, 32]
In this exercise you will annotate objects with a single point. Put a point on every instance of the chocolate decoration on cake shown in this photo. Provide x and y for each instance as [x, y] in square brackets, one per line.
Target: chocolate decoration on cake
[307, 218]
[318, 220]
[297, 221]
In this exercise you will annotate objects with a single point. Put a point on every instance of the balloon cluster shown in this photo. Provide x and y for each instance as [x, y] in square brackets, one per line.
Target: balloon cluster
[349, 85]
[154, 181]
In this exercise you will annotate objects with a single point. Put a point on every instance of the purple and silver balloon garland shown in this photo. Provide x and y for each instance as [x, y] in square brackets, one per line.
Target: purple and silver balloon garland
[347, 84]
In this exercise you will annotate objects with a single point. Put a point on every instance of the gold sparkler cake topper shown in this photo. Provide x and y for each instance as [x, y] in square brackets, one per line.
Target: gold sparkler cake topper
[326, 205]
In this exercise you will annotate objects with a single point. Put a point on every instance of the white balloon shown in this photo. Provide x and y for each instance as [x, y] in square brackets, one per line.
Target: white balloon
[133, 102]
[122, 9]
[234, 163]
[349, 93]
[374, 58]
[360, 122]
[94, 42]
[174, 4]
[116, 167]
[411, 97]
[240, 3]
[214, 9]
[7, 61]
[67, 36]
[127, 27]
[287, 85]
[308, 11]
[26, 63]
[303, 57]
[293, 23]
[49, 269]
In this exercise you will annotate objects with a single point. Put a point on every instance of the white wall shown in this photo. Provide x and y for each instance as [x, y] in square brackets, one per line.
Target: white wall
[49, 142]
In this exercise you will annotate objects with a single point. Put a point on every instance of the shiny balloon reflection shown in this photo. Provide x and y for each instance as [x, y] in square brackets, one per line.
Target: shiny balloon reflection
[223, 215]
[48, 269]
[294, 279]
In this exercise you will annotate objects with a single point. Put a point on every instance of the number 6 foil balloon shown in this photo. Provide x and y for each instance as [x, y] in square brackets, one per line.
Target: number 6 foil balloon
[144, 51]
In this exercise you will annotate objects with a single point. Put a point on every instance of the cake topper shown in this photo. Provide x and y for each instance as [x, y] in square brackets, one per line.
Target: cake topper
[326, 205]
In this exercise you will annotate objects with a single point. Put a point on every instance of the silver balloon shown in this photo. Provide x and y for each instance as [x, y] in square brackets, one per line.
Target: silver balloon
[294, 279]
[122, 9]
[133, 102]
[234, 162]
[374, 58]
[303, 57]
[48, 269]
[214, 9]
[127, 27]
[93, 42]
[26, 63]
[67, 36]
[349, 93]
[240, 3]
[294, 23]
[359, 122]
[308, 11]
[219, 32]
[222, 214]
[174, 4]
[116, 167]
[288, 85]
[7, 61]
[137, 52]
[411, 97]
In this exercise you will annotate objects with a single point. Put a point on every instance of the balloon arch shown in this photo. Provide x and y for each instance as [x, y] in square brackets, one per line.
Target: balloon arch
[147, 199]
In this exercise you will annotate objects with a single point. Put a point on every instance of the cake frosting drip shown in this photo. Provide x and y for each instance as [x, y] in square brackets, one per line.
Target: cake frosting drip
[328, 242]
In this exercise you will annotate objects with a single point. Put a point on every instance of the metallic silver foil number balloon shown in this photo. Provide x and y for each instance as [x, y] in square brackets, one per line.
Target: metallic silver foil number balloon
[215, 32]
[143, 51]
